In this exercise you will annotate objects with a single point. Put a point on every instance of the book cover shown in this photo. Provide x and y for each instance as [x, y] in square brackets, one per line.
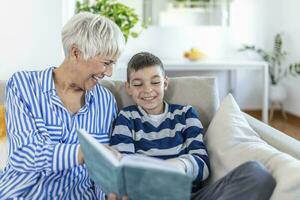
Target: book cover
[138, 176]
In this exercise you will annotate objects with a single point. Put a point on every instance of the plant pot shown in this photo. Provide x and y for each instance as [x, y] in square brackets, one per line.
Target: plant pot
[277, 93]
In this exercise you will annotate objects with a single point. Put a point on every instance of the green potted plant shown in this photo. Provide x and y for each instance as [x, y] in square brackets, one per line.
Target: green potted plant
[124, 16]
[275, 58]
[277, 70]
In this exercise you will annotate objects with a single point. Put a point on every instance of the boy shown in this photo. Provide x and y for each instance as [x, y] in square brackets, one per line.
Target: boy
[174, 133]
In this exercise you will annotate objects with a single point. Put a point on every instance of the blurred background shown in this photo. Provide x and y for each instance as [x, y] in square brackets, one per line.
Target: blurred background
[216, 29]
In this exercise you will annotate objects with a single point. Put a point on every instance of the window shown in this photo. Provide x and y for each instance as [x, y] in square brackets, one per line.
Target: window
[187, 12]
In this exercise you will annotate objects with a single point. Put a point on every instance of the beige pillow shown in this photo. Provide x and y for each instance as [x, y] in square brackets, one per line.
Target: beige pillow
[231, 142]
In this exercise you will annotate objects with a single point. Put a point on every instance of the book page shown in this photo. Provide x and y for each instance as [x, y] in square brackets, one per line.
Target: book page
[148, 162]
[148, 178]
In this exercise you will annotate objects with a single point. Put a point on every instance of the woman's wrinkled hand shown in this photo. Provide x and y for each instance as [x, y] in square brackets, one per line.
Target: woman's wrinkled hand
[80, 157]
[115, 152]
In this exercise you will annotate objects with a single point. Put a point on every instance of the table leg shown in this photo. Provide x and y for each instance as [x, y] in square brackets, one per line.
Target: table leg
[265, 93]
[232, 82]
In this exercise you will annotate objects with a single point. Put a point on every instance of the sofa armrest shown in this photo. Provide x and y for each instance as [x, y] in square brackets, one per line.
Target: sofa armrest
[275, 138]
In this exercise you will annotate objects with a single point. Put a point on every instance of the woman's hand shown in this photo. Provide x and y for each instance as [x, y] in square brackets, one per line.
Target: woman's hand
[113, 196]
[116, 153]
[80, 157]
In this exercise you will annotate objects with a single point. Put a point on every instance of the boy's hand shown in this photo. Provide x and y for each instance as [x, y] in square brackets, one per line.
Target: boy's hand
[116, 153]
[179, 164]
[112, 196]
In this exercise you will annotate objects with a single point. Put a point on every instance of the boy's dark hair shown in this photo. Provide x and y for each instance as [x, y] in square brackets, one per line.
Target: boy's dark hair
[143, 60]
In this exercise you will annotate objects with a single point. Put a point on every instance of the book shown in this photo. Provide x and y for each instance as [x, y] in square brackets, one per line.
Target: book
[138, 176]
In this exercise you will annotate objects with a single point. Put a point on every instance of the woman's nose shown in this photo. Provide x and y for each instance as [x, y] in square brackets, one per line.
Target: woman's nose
[108, 71]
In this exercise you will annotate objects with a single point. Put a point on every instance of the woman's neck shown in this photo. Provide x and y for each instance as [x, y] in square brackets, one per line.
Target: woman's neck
[63, 79]
[69, 93]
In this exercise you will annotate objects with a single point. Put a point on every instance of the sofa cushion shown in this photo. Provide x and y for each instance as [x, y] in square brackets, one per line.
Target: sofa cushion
[200, 92]
[2, 122]
[2, 91]
[3, 142]
[231, 142]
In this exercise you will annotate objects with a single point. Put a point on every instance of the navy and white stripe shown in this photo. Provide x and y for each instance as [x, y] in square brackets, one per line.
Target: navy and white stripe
[178, 134]
[43, 141]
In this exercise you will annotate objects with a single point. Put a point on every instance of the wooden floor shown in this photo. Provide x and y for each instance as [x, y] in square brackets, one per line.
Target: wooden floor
[290, 126]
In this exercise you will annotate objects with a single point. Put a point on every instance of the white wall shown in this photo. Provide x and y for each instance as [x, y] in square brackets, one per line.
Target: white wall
[30, 39]
[289, 24]
[169, 43]
[29, 36]
[256, 22]
[252, 22]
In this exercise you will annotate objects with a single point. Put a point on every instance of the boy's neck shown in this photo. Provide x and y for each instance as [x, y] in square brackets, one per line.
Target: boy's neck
[159, 111]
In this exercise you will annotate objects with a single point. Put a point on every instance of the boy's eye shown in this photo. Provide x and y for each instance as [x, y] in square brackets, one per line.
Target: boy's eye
[156, 83]
[136, 84]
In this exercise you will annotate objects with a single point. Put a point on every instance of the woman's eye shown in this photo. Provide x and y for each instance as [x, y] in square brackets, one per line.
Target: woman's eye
[106, 63]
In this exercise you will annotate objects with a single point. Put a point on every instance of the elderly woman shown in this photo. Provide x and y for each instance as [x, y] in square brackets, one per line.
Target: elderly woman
[44, 109]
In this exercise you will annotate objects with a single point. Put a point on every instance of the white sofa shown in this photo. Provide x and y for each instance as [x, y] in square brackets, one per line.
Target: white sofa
[200, 92]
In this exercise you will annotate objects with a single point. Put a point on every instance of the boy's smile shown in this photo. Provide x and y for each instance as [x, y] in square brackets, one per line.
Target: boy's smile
[146, 87]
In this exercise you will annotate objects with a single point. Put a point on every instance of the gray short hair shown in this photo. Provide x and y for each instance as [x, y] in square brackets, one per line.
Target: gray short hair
[93, 35]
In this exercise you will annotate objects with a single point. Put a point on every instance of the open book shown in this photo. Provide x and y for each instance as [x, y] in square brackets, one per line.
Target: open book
[140, 177]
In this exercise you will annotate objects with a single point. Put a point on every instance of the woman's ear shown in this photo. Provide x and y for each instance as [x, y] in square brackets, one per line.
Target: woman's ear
[128, 88]
[75, 53]
[166, 83]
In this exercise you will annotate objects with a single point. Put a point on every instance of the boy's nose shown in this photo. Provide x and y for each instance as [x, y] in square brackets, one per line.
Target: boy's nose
[147, 88]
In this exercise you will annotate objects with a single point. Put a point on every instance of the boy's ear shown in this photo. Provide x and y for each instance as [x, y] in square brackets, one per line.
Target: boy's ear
[128, 88]
[166, 83]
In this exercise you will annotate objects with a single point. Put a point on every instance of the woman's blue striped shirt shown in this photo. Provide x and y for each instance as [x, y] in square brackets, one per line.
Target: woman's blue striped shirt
[43, 144]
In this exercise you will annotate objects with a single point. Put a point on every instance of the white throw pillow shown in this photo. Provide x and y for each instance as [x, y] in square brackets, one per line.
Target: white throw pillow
[231, 141]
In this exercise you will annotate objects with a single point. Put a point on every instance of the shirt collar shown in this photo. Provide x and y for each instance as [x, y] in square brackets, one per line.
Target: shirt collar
[89, 96]
[166, 108]
[46, 80]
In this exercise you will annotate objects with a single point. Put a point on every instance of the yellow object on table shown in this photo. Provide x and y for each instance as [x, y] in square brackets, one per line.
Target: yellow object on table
[2, 122]
[194, 54]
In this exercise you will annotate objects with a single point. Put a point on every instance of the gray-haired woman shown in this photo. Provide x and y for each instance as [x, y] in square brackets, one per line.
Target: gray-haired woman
[44, 109]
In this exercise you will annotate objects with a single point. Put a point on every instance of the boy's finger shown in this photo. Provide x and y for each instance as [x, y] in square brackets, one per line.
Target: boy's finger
[125, 198]
[112, 196]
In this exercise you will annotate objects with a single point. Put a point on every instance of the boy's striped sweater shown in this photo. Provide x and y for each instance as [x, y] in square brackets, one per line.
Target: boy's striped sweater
[178, 134]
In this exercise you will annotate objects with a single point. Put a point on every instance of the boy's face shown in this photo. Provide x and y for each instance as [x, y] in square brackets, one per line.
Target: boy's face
[146, 87]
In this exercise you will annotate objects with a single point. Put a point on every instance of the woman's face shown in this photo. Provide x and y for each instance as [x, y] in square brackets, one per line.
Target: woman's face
[92, 70]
